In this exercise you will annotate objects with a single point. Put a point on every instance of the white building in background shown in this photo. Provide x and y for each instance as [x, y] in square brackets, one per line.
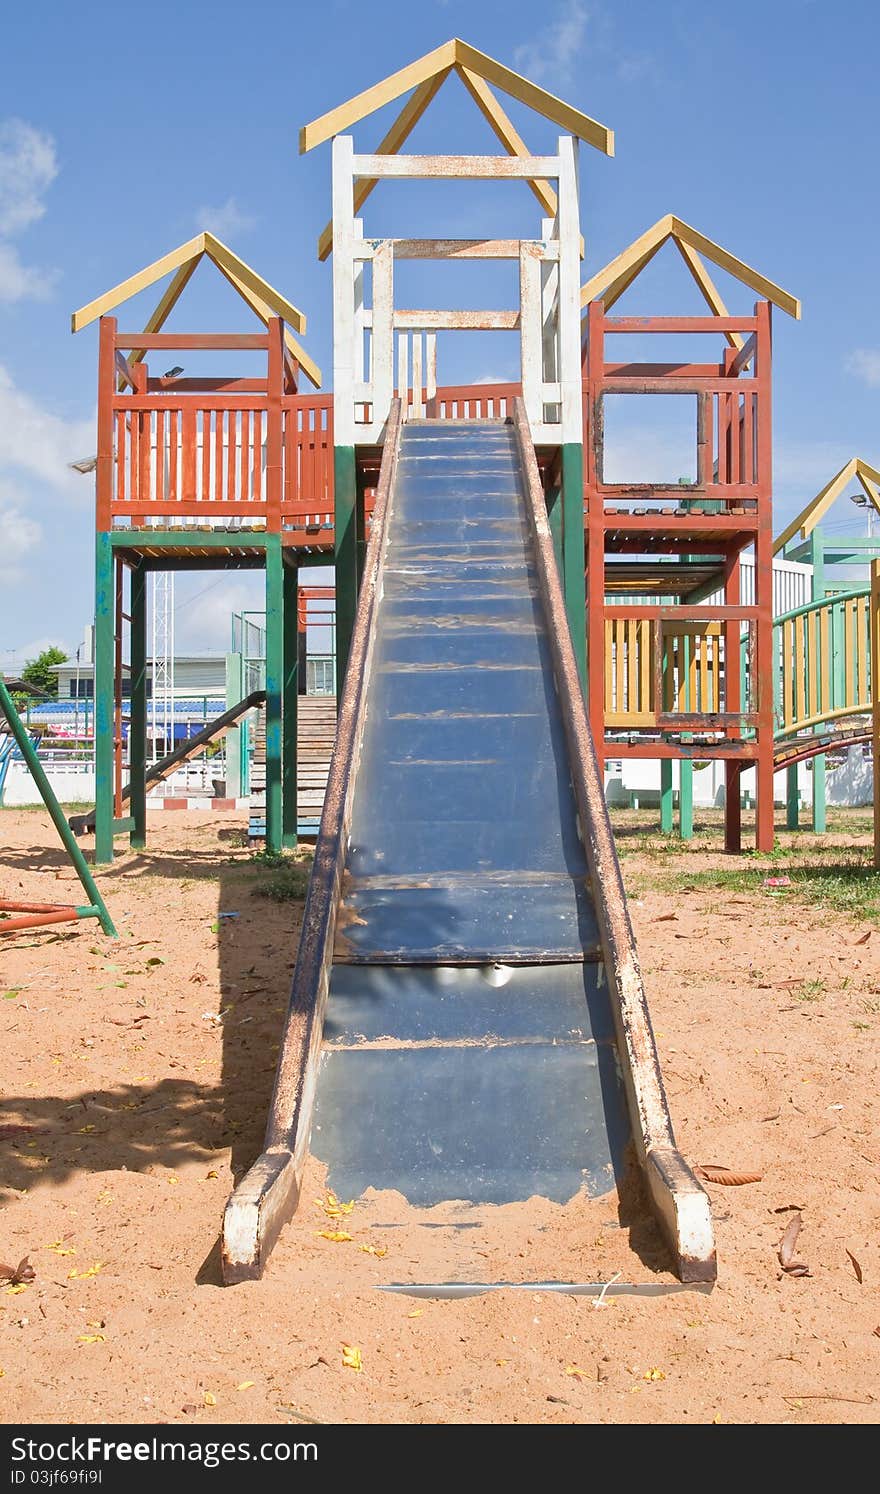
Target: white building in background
[196, 677]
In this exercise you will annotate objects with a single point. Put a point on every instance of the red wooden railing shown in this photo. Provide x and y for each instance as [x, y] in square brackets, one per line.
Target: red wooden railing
[250, 453]
[733, 408]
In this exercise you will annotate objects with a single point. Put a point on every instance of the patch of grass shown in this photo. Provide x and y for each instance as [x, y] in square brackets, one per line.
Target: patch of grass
[850, 886]
[283, 878]
[811, 990]
[67, 804]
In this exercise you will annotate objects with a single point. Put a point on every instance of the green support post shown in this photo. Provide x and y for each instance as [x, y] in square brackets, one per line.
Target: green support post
[346, 555]
[817, 560]
[104, 669]
[554, 514]
[686, 798]
[274, 690]
[289, 706]
[96, 907]
[792, 798]
[137, 729]
[361, 525]
[236, 737]
[686, 766]
[666, 795]
[573, 582]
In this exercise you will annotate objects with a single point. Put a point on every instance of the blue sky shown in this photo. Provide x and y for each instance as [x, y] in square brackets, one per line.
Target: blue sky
[124, 132]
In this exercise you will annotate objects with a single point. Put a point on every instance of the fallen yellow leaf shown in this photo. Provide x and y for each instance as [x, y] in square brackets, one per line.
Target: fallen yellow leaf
[60, 1249]
[84, 1130]
[172, 1179]
[90, 1271]
[245, 1384]
[14, 1291]
[338, 1235]
[373, 1250]
[502, 1361]
[654, 1374]
[332, 1206]
[212, 1174]
[575, 1369]
[416, 1313]
[210, 1398]
[91, 1338]
[351, 1358]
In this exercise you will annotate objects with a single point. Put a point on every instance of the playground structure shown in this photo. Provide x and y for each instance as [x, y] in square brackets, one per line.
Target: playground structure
[475, 538]
[824, 676]
[472, 568]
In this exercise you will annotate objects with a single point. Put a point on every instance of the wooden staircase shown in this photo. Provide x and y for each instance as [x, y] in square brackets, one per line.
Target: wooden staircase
[315, 737]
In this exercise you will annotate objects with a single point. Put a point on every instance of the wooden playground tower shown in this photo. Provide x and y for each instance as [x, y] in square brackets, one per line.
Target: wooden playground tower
[230, 471]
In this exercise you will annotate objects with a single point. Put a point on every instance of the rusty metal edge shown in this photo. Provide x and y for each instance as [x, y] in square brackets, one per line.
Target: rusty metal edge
[268, 1194]
[680, 1203]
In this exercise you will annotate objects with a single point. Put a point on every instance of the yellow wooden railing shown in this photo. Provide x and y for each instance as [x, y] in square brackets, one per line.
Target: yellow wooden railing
[823, 661]
[660, 668]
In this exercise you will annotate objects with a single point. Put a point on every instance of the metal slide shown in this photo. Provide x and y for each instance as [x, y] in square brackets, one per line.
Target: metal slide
[468, 1020]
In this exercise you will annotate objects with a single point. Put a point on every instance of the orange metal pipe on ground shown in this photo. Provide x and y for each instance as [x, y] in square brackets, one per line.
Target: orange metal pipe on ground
[35, 920]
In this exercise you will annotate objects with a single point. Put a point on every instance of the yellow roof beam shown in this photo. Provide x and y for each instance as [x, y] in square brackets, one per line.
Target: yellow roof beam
[623, 268]
[391, 88]
[193, 249]
[225, 259]
[156, 321]
[263, 311]
[737, 267]
[261, 297]
[450, 54]
[613, 278]
[500, 122]
[391, 143]
[709, 290]
[552, 108]
[806, 521]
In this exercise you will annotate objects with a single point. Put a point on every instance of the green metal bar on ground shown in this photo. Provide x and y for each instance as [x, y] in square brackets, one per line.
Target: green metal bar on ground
[96, 906]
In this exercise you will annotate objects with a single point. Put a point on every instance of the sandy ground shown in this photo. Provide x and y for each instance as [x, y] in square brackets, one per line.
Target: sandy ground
[136, 1077]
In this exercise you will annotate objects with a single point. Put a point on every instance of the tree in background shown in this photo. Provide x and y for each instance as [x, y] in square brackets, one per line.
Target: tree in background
[38, 672]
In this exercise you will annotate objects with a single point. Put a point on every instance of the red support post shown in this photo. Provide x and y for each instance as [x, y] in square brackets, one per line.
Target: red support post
[274, 425]
[763, 654]
[106, 391]
[595, 520]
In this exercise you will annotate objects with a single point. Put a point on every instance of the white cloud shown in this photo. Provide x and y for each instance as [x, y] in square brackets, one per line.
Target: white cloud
[203, 620]
[18, 535]
[865, 364]
[19, 282]
[36, 441]
[14, 660]
[28, 166]
[225, 221]
[552, 53]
